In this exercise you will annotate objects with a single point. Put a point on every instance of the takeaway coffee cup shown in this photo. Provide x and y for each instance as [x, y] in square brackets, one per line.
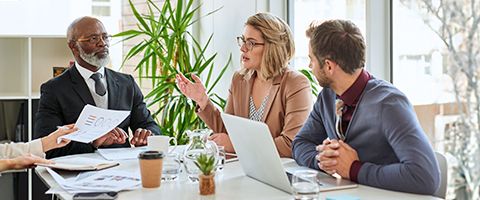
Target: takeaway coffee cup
[151, 168]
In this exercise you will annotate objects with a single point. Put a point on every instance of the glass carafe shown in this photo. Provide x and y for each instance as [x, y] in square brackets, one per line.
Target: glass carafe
[198, 143]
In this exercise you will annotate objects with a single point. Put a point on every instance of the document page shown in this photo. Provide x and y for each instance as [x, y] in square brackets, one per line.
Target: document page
[121, 153]
[98, 181]
[95, 122]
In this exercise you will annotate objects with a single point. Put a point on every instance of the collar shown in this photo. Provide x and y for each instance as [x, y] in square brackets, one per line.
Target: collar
[351, 95]
[85, 73]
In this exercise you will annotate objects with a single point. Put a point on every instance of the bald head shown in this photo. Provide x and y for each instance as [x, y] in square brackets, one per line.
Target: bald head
[73, 31]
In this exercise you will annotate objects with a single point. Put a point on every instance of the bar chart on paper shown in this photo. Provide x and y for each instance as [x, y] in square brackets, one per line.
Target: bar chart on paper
[95, 122]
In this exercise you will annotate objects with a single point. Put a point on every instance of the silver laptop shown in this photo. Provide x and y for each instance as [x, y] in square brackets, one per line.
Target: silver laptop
[260, 160]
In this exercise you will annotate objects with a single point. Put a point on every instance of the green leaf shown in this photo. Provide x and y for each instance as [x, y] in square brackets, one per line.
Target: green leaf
[313, 81]
[200, 56]
[127, 33]
[221, 74]
[219, 101]
[179, 10]
[151, 18]
[209, 13]
[206, 64]
[134, 51]
[138, 17]
[150, 2]
[206, 163]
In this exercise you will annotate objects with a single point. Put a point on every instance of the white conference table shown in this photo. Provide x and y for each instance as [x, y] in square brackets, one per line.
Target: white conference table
[231, 184]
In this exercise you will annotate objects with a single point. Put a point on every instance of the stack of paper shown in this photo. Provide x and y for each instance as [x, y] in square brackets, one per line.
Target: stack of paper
[131, 153]
[101, 181]
[121, 153]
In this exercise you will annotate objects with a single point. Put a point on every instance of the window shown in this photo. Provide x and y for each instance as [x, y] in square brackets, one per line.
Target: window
[435, 57]
[303, 12]
[101, 8]
[418, 58]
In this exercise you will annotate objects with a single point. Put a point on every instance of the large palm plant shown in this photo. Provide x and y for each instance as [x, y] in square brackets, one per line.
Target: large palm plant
[168, 48]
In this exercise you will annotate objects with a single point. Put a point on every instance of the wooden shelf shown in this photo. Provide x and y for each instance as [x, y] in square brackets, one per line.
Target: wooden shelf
[13, 97]
[26, 62]
[13, 67]
[46, 54]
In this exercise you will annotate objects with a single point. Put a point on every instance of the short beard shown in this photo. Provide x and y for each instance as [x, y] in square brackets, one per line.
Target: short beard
[325, 82]
[92, 59]
[322, 78]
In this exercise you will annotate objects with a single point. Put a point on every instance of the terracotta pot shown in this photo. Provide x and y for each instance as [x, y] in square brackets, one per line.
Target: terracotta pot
[206, 184]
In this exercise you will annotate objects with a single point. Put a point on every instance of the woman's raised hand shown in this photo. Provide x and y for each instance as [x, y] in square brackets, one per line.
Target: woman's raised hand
[193, 90]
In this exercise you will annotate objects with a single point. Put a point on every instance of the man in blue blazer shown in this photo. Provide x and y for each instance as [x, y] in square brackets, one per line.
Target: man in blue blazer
[88, 81]
[362, 128]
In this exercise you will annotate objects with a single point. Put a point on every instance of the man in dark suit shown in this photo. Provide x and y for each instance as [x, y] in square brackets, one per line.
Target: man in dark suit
[88, 81]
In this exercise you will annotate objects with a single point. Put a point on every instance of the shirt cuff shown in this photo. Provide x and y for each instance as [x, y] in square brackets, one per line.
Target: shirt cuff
[36, 148]
[354, 169]
[93, 146]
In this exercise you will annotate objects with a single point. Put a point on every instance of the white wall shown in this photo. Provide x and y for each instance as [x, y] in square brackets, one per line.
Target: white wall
[35, 17]
[48, 17]
[52, 17]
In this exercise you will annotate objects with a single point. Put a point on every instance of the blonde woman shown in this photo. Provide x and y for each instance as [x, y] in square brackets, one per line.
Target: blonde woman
[24, 155]
[264, 89]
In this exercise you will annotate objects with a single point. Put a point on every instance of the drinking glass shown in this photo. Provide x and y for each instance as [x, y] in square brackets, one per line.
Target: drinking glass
[190, 167]
[171, 167]
[305, 184]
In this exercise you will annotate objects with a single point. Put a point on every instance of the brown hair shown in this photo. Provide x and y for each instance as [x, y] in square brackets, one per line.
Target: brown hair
[279, 45]
[340, 41]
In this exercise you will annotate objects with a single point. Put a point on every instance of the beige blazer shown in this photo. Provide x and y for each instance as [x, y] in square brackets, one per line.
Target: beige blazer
[13, 150]
[288, 106]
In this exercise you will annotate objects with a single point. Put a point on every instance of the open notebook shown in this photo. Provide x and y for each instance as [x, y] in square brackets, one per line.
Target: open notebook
[79, 164]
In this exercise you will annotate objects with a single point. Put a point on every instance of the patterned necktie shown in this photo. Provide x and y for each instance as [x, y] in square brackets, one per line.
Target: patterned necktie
[99, 87]
[339, 105]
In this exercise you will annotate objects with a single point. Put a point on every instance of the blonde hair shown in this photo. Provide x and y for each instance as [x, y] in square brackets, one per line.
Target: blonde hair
[279, 45]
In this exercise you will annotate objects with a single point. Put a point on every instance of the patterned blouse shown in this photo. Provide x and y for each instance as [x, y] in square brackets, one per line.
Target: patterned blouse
[257, 115]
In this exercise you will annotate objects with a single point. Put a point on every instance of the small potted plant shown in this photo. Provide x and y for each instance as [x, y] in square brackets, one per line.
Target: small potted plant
[206, 164]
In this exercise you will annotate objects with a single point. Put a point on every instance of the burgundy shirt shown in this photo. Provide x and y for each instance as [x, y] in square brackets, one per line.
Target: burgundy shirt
[350, 99]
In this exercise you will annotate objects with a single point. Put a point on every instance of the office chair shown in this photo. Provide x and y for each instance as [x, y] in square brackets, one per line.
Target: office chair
[442, 163]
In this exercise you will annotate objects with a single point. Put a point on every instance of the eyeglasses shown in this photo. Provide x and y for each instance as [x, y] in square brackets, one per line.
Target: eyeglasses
[249, 44]
[96, 38]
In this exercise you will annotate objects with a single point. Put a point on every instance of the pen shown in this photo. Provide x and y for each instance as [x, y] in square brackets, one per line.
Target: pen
[62, 127]
[231, 160]
[231, 154]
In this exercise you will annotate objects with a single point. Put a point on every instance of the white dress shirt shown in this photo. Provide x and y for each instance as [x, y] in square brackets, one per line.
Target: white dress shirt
[100, 101]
